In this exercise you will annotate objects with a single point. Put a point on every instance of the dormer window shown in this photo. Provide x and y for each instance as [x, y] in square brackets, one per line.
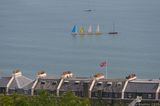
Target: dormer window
[43, 82]
[54, 82]
[77, 82]
[149, 96]
[109, 83]
[119, 83]
[66, 82]
[86, 82]
[99, 83]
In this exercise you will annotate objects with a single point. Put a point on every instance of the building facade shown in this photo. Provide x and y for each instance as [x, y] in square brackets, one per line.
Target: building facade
[93, 87]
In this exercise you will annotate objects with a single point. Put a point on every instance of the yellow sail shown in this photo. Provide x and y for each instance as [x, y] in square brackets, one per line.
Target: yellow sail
[81, 30]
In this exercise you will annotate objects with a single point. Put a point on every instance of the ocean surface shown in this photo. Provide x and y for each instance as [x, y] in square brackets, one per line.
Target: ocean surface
[36, 35]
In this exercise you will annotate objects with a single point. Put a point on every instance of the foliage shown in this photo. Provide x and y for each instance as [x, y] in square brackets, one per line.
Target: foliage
[43, 99]
[6, 100]
[68, 99]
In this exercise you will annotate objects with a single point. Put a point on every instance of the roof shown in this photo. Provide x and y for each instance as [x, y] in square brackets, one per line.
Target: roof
[4, 81]
[20, 82]
[48, 84]
[75, 83]
[29, 86]
[142, 87]
[109, 85]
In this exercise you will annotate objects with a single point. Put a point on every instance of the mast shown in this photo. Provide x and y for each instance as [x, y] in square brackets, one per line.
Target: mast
[113, 27]
[113, 30]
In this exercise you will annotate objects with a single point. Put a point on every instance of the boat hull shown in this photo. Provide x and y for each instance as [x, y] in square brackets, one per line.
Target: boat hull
[74, 33]
[98, 33]
[113, 33]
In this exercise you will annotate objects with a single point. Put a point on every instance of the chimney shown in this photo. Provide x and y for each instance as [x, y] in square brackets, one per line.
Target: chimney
[128, 78]
[41, 74]
[16, 73]
[86, 88]
[66, 74]
[131, 77]
[98, 76]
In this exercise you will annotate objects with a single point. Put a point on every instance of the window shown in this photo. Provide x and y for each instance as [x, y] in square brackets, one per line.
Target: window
[54, 82]
[94, 94]
[42, 82]
[149, 96]
[25, 92]
[99, 83]
[86, 82]
[77, 82]
[109, 83]
[105, 94]
[115, 95]
[129, 95]
[66, 82]
[119, 83]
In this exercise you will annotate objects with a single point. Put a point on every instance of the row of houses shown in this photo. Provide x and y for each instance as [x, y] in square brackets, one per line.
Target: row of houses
[93, 87]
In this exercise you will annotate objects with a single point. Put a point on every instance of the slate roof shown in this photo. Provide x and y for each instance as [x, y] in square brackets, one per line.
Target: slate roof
[142, 87]
[20, 82]
[75, 83]
[4, 81]
[109, 85]
[29, 86]
[48, 83]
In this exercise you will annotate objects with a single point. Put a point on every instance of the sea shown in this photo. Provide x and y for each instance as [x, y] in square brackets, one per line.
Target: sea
[36, 35]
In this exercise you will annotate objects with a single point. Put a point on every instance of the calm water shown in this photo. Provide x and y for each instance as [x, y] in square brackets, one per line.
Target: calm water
[35, 34]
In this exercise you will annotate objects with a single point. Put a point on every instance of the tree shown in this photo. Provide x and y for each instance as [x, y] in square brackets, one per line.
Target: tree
[68, 99]
[6, 100]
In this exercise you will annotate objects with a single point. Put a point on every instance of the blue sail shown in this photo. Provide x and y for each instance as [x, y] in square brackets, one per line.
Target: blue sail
[74, 30]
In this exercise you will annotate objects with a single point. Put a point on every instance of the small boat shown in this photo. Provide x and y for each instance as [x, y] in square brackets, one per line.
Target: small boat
[88, 10]
[74, 30]
[98, 31]
[113, 32]
[81, 30]
[90, 30]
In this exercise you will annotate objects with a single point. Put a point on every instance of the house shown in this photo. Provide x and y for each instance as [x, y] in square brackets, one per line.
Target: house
[48, 84]
[108, 88]
[78, 85]
[3, 84]
[15, 83]
[147, 89]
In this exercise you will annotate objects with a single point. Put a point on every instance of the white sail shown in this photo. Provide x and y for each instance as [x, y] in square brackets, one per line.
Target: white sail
[98, 30]
[90, 32]
[90, 29]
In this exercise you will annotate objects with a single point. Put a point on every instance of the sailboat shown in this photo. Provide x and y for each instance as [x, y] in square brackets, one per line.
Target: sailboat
[113, 32]
[90, 30]
[74, 30]
[89, 7]
[81, 30]
[98, 30]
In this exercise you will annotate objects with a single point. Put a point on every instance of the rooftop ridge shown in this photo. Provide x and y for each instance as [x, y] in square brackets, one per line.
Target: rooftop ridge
[146, 81]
